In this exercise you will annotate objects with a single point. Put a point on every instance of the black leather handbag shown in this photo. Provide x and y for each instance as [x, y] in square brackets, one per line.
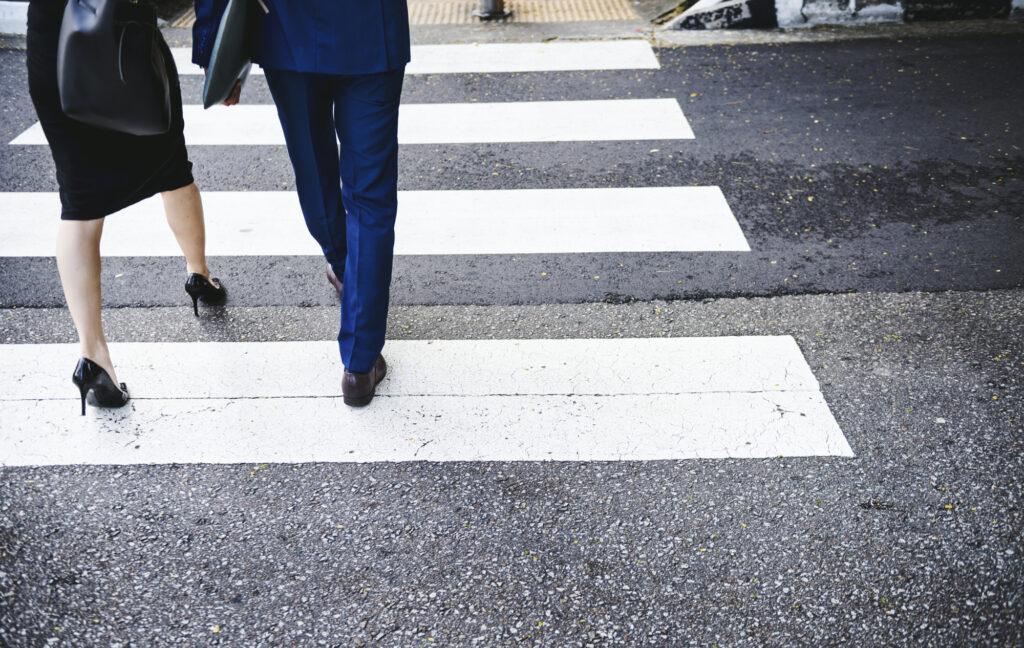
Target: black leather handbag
[112, 66]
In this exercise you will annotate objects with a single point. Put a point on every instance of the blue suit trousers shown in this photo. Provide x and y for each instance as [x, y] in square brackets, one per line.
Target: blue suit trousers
[353, 219]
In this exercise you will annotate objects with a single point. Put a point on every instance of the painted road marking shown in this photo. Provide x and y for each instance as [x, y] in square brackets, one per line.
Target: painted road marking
[488, 58]
[523, 221]
[458, 123]
[427, 367]
[444, 400]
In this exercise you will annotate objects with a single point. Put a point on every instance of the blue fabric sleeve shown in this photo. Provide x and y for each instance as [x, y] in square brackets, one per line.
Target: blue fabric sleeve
[204, 31]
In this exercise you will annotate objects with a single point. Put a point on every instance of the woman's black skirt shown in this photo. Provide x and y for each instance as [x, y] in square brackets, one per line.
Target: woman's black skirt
[99, 171]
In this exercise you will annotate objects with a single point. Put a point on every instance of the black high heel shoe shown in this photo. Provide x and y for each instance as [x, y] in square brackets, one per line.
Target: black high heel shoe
[211, 291]
[94, 379]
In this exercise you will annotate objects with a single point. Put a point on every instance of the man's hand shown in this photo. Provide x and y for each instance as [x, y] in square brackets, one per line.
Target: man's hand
[235, 94]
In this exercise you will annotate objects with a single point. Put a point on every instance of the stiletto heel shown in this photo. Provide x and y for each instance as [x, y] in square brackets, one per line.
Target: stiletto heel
[90, 378]
[211, 291]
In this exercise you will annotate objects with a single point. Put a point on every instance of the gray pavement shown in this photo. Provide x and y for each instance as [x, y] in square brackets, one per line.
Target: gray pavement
[915, 542]
[887, 164]
[888, 281]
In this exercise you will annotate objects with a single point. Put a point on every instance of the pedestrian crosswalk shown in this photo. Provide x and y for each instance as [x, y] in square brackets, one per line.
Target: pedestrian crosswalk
[447, 400]
[488, 58]
[444, 400]
[524, 221]
[459, 123]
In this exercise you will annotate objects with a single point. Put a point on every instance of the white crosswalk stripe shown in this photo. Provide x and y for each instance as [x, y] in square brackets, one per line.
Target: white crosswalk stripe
[468, 400]
[488, 58]
[645, 219]
[443, 400]
[476, 123]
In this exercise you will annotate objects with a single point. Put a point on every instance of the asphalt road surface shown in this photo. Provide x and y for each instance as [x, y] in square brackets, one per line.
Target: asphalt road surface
[854, 205]
[852, 166]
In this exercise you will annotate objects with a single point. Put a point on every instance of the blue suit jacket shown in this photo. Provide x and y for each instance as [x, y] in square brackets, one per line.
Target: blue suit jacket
[320, 36]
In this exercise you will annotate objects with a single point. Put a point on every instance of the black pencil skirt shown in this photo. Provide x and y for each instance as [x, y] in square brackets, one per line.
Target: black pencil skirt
[99, 171]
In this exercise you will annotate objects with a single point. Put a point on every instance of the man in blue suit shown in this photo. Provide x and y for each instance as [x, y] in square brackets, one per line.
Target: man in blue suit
[335, 70]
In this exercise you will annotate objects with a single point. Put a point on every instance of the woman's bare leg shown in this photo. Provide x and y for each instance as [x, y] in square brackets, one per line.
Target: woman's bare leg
[78, 261]
[184, 209]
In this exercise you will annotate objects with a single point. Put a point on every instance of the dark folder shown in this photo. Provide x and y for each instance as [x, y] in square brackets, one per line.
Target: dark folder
[230, 60]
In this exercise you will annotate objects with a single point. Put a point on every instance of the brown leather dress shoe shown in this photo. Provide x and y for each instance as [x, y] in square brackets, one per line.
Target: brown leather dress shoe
[333, 278]
[359, 388]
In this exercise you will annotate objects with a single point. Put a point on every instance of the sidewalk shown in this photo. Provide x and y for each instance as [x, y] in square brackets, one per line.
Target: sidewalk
[539, 21]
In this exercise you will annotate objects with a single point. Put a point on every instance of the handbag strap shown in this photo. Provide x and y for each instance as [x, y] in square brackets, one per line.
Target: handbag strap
[120, 43]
